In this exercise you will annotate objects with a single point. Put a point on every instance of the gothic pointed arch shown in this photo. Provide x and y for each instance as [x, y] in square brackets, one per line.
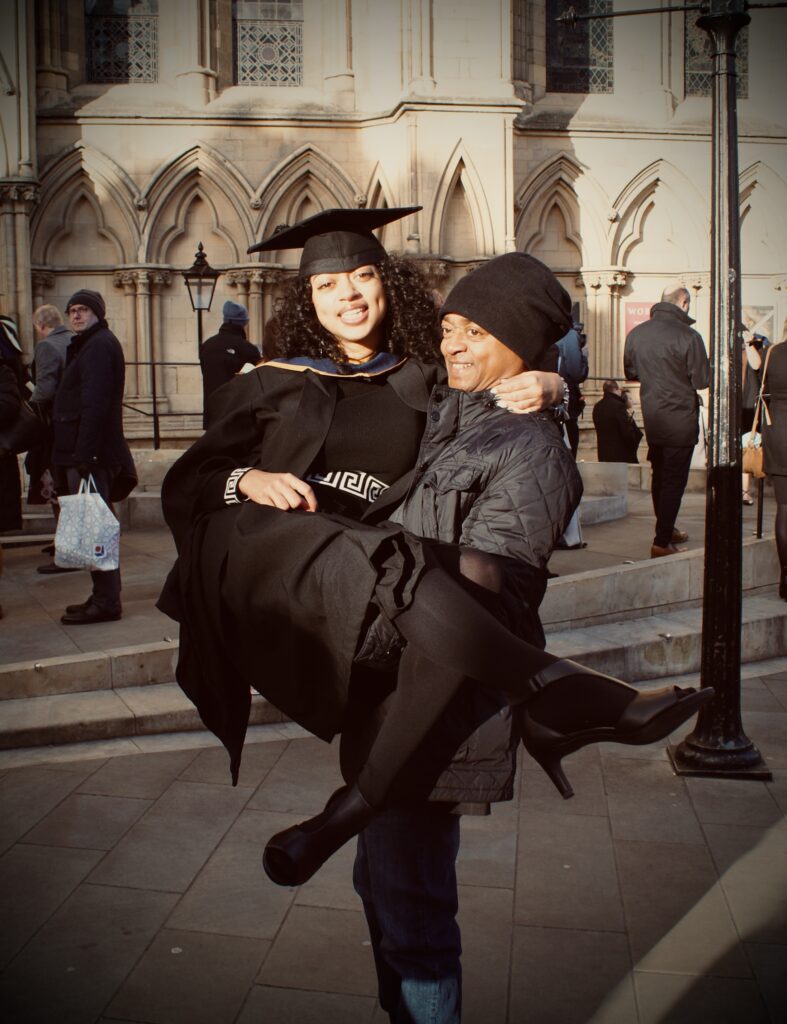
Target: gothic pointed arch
[559, 214]
[658, 222]
[203, 173]
[84, 181]
[763, 246]
[305, 183]
[379, 194]
[460, 220]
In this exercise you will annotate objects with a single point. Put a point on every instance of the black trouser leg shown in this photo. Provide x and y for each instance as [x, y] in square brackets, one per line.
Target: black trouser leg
[673, 473]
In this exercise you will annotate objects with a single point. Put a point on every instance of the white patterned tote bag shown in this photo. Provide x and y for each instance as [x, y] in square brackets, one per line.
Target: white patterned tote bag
[88, 534]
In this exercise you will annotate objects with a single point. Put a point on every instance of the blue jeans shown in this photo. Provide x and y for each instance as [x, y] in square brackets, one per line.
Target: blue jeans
[405, 875]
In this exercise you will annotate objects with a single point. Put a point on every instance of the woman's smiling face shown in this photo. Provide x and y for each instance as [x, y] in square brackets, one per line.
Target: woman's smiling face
[351, 306]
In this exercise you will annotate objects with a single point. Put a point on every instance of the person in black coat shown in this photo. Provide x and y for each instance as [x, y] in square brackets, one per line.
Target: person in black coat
[10, 483]
[87, 425]
[223, 355]
[669, 360]
[617, 435]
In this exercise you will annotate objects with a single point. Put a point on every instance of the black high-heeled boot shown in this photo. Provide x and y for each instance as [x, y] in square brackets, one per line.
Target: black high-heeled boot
[291, 857]
[783, 585]
[614, 712]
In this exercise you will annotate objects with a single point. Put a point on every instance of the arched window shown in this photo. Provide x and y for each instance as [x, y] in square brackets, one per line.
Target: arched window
[268, 42]
[122, 40]
[698, 61]
[579, 59]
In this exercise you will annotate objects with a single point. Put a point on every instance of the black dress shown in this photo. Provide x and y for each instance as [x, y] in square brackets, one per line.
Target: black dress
[250, 581]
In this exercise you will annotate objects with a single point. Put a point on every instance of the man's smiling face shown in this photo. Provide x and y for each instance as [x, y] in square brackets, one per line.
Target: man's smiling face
[475, 359]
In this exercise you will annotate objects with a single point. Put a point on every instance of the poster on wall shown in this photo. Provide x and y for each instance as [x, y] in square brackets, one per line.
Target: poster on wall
[637, 313]
[759, 320]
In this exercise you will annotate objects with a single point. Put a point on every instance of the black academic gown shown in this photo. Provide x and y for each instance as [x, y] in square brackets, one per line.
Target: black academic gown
[250, 581]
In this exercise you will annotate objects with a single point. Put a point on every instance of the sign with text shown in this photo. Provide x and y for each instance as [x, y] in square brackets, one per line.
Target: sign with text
[637, 313]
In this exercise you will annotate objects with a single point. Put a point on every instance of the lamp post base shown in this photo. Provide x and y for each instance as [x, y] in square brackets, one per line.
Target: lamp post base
[692, 758]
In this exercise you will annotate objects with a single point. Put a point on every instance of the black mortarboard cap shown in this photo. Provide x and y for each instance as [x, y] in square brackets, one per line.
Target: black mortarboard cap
[335, 240]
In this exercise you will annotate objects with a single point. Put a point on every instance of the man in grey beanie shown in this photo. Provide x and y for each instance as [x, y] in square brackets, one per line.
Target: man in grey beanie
[223, 355]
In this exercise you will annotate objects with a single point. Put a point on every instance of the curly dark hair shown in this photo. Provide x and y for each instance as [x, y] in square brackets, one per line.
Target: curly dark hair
[411, 323]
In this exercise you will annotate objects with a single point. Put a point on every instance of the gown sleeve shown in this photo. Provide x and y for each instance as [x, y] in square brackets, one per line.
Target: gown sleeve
[197, 483]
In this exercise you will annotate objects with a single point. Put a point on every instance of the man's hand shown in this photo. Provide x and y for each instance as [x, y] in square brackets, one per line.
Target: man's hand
[281, 490]
[83, 469]
[530, 391]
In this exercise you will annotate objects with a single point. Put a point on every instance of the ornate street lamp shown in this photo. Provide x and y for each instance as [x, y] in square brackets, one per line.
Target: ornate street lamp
[200, 280]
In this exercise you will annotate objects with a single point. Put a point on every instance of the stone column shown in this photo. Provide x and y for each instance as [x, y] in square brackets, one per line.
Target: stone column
[186, 49]
[603, 322]
[17, 199]
[51, 72]
[339, 79]
[417, 46]
[42, 281]
[256, 319]
[127, 280]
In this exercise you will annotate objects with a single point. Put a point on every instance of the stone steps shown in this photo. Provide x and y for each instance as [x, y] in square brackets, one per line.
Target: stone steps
[108, 714]
[130, 692]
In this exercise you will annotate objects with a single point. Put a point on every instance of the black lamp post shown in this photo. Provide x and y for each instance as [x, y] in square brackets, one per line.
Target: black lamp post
[718, 746]
[200, 280]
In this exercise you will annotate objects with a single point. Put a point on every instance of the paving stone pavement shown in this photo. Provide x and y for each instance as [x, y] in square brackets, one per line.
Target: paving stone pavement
[132, 889]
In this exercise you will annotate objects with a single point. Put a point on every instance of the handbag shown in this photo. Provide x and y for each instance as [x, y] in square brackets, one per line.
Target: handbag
[752, 452]
[26, 432]
[88, 534]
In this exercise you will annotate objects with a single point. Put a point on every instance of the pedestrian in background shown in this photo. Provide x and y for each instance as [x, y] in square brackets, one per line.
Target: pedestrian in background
[573, 368]
[774, 440]
[226, 353]
[754, 348]
[667, 356]
[617, 435]
[49, 360]
[87, 421]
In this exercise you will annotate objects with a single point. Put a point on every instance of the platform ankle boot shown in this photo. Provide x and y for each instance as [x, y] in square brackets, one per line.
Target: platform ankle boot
[291, 857]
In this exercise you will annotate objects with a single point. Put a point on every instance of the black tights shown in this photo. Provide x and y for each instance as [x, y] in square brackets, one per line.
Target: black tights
[451, 638]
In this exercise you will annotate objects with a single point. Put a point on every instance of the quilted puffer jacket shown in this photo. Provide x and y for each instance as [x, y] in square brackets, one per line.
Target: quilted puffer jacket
[506, 485]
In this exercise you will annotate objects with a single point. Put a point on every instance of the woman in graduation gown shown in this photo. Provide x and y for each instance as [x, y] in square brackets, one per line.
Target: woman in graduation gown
[273, 594]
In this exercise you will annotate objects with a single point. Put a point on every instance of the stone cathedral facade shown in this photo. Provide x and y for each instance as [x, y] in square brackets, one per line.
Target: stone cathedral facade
[132, 130]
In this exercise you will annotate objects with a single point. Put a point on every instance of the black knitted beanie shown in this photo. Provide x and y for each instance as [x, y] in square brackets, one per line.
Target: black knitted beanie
[517, 299]
[93, 300]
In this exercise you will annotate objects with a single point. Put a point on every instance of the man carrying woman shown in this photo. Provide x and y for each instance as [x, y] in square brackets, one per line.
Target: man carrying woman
[322, 544]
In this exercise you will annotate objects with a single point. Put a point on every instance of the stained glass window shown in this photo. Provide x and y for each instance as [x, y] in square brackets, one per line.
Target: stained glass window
[698, 60]
[268, 42]
[580, 59]
[122, 40]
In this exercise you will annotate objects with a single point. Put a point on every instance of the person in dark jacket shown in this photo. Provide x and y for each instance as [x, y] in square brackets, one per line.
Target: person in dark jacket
[669, 360]
[573, 368]
[49, 361]
[87, 423]
[617, 435]
[10, 483]
[224, 355]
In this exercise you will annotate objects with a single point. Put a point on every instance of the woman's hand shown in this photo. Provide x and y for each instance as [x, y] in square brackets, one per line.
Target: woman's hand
[281, 490]
[530, 391]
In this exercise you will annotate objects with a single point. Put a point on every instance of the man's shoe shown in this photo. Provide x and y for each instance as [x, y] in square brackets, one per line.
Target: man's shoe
[51, 569]
[678, 537]
[670, 549]
[72, 609]
[88, 615]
